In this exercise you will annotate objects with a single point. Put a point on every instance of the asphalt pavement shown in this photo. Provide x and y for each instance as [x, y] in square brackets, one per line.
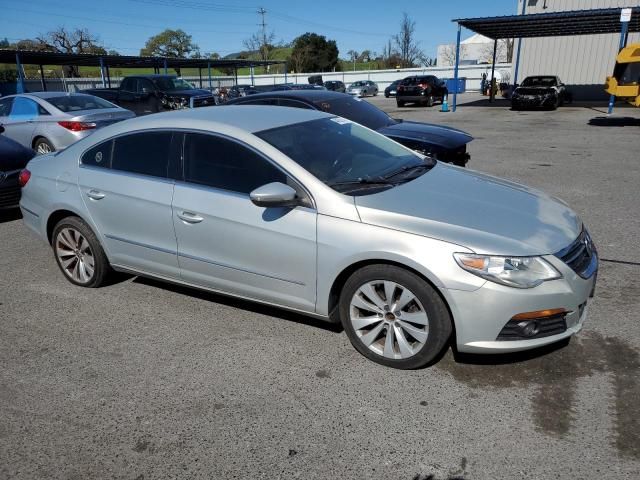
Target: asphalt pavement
[142, 380]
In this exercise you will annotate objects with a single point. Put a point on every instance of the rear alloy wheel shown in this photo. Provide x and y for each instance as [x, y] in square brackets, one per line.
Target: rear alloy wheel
[43, 146]
[393, 317]
[79, 254]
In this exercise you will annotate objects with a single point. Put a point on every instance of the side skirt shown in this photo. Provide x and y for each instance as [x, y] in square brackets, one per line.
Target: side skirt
[130, 271]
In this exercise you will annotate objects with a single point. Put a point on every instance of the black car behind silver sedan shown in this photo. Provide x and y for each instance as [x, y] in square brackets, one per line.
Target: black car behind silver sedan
[13, 158]
[443, 143]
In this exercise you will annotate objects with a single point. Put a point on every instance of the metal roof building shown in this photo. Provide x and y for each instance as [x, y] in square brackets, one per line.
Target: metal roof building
[582, 61]
[564, 38]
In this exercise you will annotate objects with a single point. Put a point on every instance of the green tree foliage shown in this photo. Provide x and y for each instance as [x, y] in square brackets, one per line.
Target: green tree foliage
[170, 43]
[313, 53]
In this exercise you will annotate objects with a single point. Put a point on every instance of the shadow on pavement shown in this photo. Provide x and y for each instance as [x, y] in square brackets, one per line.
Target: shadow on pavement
[615, 122]
[10, 215]
[242, 304]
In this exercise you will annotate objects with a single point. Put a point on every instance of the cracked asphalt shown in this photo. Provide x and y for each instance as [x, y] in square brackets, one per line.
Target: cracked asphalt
[141, 380]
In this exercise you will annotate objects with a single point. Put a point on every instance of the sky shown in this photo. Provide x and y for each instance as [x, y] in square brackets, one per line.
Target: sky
[222, 25]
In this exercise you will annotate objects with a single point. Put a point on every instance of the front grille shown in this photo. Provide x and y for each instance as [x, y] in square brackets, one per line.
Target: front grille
[458, 156]
[204, 101]
[548, 326]
[9, 197]
[581, 255]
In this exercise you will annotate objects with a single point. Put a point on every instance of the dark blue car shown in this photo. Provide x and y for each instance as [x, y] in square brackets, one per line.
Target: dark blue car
[443, 143]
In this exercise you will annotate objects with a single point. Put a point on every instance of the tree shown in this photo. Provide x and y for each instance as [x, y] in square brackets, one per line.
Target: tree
[314, 53]
[504, 51]
[448, 54]
[170, 44]
[5, 43]
[262, 44]
[406, 45]
[65, 41]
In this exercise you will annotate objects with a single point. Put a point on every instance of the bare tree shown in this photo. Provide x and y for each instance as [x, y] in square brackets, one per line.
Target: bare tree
[262, 44]
[504, 51]
[448, 54]
[406, 45]
[76, 41]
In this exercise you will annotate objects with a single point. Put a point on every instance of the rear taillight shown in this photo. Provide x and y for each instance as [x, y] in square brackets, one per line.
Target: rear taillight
[400, 88]
[23, 177]
[77, 126]
[423, 85]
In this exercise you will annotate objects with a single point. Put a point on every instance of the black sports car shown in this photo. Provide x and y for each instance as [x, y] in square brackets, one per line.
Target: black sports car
[543, 91]
[443, 143]
[13, 158]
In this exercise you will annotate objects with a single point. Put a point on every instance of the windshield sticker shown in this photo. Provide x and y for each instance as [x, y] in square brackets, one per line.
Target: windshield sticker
[341, 121]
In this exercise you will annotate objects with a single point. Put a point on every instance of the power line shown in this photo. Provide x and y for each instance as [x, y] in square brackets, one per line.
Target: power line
[116, 22]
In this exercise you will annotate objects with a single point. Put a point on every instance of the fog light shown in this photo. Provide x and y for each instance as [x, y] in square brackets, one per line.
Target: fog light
[529, 329]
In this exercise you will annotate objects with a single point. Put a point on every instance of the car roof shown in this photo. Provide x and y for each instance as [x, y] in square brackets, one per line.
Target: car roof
[45, 95]
[248, 118]
[311, 95]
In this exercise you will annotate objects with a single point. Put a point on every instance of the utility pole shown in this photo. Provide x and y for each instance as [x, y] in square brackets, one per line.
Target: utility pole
[263, 49]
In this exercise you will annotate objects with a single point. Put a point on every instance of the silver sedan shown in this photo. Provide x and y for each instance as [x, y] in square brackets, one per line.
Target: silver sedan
[314, 213]
[50, 121]
[363, 88]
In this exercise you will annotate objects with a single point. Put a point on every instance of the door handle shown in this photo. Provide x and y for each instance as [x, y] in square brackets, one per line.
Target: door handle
[95, 195]
[190, 217]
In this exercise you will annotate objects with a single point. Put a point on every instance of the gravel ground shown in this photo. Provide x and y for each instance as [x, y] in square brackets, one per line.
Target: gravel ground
[142, 380]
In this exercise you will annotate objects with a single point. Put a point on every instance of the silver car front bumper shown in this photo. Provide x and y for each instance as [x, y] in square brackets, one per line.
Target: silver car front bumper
[482, 314]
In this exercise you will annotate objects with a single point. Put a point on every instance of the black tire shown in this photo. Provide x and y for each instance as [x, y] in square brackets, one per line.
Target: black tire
[43, 146]
[101, 270]
[430, 101]
[386, 95]
[439, 319]
[399, 103]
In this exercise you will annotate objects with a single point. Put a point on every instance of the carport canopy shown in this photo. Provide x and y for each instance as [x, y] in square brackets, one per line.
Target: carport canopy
[553, 24]
[30, 57]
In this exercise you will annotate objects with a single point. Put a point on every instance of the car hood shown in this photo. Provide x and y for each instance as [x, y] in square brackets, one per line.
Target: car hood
[445, 137]
[13, 156]
[195, 92]
[483, 213]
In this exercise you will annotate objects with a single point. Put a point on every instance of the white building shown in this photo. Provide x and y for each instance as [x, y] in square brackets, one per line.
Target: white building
[476, 49]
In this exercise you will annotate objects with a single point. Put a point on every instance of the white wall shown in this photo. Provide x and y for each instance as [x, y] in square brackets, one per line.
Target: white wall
[473, 74]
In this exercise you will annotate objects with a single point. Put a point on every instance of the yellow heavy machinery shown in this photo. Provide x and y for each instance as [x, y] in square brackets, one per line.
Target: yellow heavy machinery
[625, 82]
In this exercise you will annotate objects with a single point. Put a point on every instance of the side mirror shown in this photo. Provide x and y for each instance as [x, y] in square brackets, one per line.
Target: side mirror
[274, 194]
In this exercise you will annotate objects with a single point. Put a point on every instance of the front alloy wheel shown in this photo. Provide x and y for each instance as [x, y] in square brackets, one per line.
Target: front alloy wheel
[388, 319]
[394, 317]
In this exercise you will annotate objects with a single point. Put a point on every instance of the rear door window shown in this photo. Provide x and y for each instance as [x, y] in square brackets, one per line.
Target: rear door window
[145, 153]
[24, 109]
[5, 106]
[99, 156]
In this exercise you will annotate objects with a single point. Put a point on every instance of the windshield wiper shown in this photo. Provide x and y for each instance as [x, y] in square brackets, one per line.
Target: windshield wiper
[363, 181]
[406, 169]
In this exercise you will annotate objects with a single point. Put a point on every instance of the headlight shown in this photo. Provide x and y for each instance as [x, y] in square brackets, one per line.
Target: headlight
[518, 272]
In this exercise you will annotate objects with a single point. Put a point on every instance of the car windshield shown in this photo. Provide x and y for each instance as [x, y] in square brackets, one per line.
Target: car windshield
[357, 84]
[539, 82]
[74, 103]
[171, 83]
[346, 156]
[357, 110]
